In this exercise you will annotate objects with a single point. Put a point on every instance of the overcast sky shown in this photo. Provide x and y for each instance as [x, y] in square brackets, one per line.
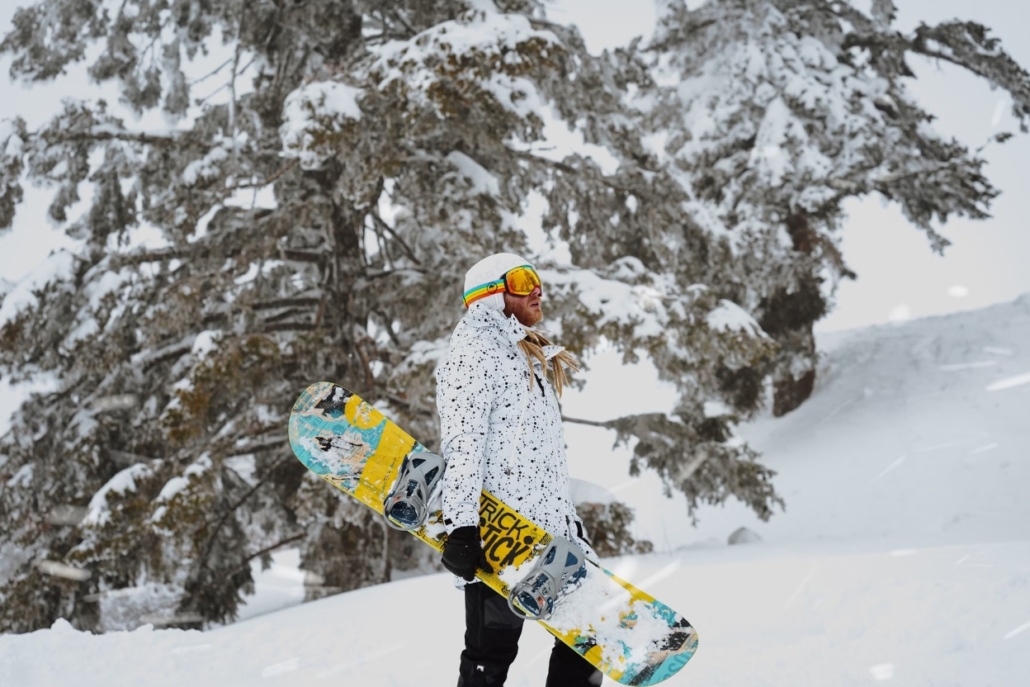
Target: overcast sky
[899, 277]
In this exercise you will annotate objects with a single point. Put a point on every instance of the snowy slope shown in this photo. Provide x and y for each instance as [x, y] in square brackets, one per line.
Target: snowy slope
[767, 616]
[903, 557]
[917, 433]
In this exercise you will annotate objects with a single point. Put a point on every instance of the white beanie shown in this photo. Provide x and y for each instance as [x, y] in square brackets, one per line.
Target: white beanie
[489, 269]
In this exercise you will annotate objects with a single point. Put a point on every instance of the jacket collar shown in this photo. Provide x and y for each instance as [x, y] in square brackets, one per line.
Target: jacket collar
[484, 318]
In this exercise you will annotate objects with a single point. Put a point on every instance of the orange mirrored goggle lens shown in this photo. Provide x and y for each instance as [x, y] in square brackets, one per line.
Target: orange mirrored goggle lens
[521, 281]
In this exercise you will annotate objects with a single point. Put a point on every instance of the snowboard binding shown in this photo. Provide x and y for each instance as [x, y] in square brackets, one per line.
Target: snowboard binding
[406, 506]
[555, 575]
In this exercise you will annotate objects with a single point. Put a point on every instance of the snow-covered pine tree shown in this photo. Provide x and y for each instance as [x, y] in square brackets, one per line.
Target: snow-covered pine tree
[322, 188]
[331, 171]
[770, 114]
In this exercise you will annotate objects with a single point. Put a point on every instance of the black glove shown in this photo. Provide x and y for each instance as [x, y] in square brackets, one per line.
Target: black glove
[463, 553]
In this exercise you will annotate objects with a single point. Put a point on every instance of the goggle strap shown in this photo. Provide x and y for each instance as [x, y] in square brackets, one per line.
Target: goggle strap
[482, 291]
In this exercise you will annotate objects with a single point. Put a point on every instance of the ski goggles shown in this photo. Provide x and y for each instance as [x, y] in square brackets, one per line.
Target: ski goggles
[519, 281]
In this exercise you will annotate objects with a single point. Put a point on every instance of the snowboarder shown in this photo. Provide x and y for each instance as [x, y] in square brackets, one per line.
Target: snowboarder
[501, 431]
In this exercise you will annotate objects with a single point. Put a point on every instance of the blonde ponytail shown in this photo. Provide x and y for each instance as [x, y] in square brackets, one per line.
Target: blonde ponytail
[533, 345]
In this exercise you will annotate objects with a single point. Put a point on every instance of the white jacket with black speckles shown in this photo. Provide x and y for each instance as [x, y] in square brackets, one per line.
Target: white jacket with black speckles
[498, 433]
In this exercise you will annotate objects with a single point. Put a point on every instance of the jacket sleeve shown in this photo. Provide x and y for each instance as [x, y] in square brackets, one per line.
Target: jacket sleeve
[464, 398]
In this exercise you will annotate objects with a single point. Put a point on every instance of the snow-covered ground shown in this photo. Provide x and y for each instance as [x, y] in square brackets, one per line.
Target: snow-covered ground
[903, 556]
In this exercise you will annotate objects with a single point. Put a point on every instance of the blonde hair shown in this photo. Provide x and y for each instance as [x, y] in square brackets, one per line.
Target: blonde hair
[533, 345]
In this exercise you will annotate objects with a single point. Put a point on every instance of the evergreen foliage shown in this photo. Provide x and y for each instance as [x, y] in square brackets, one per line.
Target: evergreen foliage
[608, 525]
[330, 170]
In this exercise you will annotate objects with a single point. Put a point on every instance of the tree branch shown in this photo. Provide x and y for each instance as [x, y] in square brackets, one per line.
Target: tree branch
[299, 302]
[568, 169]
[593, 423]
[147, 256]
[289, 327]
[210, 73]
[294, 255]
[278, 173]
[383, 225]
[273, 547]
[128, 136]
[243, 499]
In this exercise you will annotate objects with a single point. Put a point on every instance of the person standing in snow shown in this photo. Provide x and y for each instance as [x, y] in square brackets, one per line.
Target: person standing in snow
[501, 431]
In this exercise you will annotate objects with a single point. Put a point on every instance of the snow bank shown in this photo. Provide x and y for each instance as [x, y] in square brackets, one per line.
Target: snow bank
[766, 616]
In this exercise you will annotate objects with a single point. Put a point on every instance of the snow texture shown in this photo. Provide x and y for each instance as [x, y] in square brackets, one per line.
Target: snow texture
[123, 481]
[729, 317]
[485, 32]
[206, 342]
[172, 487]
[313, 108]
[58, 266]
[612, 300]
[23, 477]
[206, 168]
[483, 182]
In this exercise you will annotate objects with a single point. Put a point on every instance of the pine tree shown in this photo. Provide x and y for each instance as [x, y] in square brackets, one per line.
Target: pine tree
[773, 113]
[316, 215]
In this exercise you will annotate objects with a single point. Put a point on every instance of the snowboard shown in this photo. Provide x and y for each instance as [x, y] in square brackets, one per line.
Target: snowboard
[626, 633]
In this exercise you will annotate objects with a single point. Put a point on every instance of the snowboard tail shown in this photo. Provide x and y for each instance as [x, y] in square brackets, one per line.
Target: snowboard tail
[629, 635]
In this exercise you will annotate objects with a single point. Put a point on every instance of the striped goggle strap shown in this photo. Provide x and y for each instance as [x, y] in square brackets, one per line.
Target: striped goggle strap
[482, 291]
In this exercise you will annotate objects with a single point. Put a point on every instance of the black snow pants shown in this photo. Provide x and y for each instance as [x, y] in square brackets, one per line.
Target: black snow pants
[492, 640]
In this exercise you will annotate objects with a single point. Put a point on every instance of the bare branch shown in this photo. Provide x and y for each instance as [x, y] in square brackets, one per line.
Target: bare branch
[285, 315]
[278, 173]
[273, 547]
[289, 327]
[157, 255]
[211, 73]
[296, 255]
[299, 302]
[128, 136]
[386, 227]
[592, 423]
